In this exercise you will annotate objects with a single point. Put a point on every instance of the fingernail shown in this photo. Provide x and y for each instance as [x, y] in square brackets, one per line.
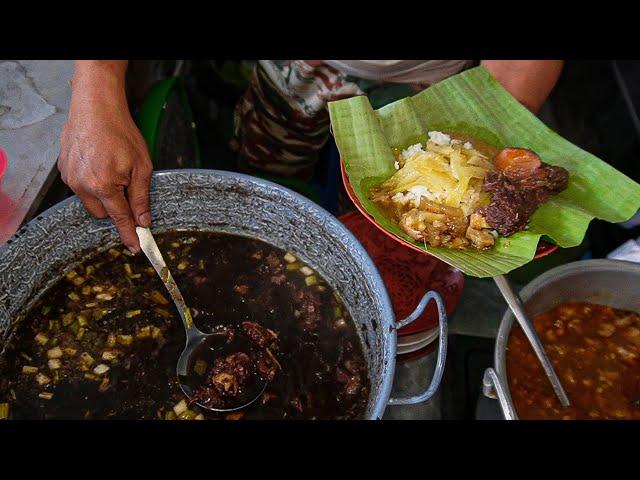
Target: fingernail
[145, 219]
[133, 250]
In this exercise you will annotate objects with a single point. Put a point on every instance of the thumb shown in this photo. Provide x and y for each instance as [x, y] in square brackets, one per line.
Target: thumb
[138, 193]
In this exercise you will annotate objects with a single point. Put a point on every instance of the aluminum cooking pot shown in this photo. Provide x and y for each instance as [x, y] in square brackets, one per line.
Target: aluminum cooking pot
[64, 235]
[608, 282]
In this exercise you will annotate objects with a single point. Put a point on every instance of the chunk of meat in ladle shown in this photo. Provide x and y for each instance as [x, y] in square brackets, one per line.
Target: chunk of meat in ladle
[234, 377]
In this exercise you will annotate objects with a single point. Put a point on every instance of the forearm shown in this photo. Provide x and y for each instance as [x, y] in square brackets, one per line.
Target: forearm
[103, 156]
[100, 79]
[529, 81]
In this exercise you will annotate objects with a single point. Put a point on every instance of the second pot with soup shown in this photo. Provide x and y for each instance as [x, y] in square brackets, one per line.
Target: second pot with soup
[605, 282]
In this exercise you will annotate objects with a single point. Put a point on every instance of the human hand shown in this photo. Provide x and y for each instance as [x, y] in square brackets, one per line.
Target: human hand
[104, 158]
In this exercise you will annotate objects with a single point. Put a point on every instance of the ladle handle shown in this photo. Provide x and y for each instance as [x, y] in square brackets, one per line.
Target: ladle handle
[516, 306]
[150, 248]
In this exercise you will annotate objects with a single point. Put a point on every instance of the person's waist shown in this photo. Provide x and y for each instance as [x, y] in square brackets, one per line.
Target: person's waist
[401, 71]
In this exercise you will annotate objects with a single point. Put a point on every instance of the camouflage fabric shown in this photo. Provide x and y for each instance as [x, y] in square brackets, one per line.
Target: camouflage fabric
[282, 121]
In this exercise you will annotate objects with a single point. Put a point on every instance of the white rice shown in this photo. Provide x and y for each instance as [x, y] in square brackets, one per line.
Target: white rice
[439, 138]
[412, 150]
[400, 198]
[415, 193]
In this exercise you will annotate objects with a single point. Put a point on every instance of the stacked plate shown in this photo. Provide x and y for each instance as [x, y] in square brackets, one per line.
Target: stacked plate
[416, 341]
[408, 275]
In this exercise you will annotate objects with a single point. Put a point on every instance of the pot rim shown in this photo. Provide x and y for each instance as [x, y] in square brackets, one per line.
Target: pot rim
[537, 284]
[374, 275]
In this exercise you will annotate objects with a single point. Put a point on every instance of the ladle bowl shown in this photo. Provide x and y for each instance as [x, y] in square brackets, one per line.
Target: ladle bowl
[197, 342]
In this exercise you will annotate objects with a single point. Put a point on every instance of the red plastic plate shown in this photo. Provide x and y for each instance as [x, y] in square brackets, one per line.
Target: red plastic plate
[407, 274]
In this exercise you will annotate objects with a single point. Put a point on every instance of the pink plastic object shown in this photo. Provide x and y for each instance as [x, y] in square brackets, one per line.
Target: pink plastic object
[4, 163]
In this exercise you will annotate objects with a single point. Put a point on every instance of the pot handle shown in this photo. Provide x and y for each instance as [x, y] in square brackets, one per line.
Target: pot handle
[442, 348]
[492, 388]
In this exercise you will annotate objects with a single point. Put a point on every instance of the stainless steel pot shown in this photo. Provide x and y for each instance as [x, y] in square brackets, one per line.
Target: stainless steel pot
[227, 202]
[608, 282]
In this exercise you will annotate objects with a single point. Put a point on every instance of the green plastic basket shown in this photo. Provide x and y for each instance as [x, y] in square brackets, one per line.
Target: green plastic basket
[151, 115]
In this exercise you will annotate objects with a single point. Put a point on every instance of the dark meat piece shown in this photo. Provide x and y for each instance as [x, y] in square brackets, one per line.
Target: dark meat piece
[267, 397]
[297, 293]
[265, 297]
[507, 212]
[229, 374]
[234, 416]
[229, 331]
[274, 261]
[548, 179]
[260, 336]
[226, 379]
[341, 376]
[225, 383]
[207, 397]
[352, 381]
[353, 386]
[231, 335]
[296, 404]
[310, 310]
[241, 289]
[267, 365]
[515, 200]
[352, 366]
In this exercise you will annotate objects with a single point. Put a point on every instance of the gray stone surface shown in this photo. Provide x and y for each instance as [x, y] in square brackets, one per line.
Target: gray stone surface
[479, 310]
[20, 103]
[34, 98]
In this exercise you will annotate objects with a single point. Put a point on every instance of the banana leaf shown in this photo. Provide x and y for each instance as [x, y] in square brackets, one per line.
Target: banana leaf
[473, 103]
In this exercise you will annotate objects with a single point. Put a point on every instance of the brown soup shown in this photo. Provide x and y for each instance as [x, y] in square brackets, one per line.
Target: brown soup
[594, 349]
[103, 342]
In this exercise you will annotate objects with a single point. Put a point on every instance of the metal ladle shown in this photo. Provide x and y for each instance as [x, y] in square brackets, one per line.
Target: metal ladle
[197, 342]
[516, 306]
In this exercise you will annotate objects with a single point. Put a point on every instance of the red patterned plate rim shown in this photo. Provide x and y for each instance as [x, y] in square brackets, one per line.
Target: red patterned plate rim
[407, 275]
[543, 249]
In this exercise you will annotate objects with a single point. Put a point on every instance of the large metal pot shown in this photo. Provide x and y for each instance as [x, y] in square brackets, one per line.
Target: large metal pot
[608, 282]
[226, 202]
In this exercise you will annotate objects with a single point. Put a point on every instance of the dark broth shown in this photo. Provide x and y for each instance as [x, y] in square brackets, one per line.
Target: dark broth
[115, 303]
